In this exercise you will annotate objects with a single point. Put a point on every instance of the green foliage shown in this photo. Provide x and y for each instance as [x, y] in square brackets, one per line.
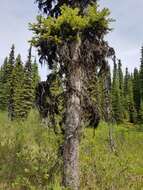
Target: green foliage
[3, 86]
[98, 17]
[10, 84]
[140, 86]
[28, 154]
[117, 94]
[53, 29]
[18, 74]
[129, 97]
[130, 102]
[141, 74]
[140, 113]
[102, 169]
[136, 89]
[27, 89]
[29, 157]
[17, 85]
[125, 95]
[54, 102]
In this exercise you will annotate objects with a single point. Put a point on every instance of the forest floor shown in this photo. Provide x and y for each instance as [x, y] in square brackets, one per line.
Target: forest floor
[29, 158]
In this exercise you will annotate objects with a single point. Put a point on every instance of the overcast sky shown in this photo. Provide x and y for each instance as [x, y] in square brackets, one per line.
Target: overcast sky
[126, 38]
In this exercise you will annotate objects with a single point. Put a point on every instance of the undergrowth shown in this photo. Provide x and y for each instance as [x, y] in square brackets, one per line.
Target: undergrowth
[30, 159]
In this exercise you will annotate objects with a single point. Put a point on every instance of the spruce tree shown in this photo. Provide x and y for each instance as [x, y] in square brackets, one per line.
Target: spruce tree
[3, 86]
[2, 100]
[126, 80]
[115, 73]
[141, 86]
[27, 88]
[74, 40]
[141, 75]
[130, 101]
[18, 74]
[117, 106]
[129, 98]
[120, 72]
[136, 90]
[10, 84]
[140, 114]
[121, 87]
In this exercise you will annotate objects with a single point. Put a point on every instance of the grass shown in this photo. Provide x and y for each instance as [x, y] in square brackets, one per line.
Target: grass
[103, 169]
[29, 157]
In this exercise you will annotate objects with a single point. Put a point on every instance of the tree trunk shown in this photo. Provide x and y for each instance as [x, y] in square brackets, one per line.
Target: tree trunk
[73, 121]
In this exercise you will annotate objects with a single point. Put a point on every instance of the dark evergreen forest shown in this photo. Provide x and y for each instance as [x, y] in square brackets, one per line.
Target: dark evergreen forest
[21, 89]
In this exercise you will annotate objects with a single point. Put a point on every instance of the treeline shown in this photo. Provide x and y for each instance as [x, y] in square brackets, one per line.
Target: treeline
[17, 85]
[119, 97]
[127, 93]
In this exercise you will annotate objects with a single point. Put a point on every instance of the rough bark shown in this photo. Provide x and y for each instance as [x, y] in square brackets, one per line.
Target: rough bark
[73, 121]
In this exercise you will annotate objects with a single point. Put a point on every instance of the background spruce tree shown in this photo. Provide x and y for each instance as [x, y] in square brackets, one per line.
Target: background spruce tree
[141, 74]
[10, 83]
[121, 87]
[126, 81]
[3, 86]
[136, 90]
[117, 106]
[140, 114]
[27, 98]
[18, 74]
[130, 101]
[17, 85]
[1, 89]
[141, 86]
